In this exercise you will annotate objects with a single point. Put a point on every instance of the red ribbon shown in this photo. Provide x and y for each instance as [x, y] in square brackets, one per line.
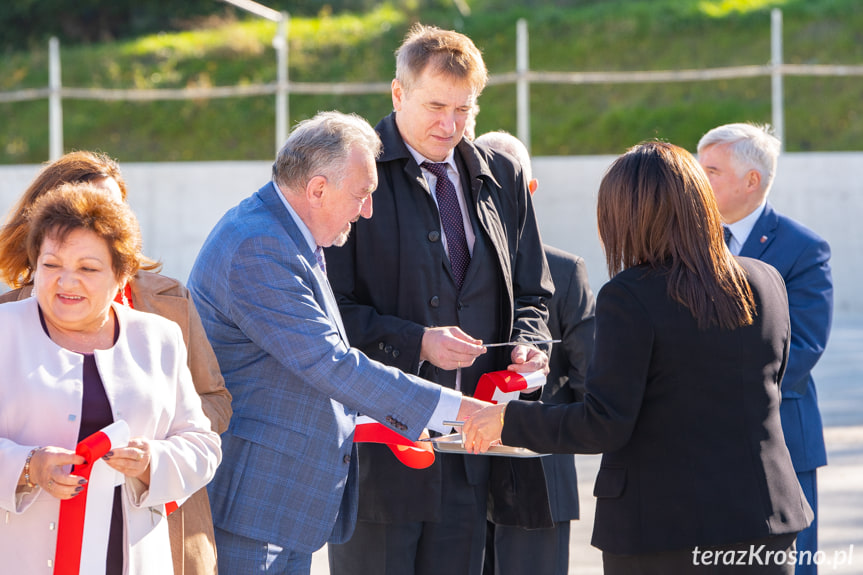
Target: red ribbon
[502, 386]
[414, 454]
[70, 532]
[491, 387]
[506, 381]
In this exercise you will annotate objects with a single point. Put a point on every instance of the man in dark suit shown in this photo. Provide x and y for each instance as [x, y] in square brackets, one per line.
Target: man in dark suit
[514, 550]
[288, 479]
[740, 160]
[452, 260]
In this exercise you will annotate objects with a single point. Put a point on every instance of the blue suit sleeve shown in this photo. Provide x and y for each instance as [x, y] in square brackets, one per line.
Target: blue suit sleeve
[275, 301]
[810, 300]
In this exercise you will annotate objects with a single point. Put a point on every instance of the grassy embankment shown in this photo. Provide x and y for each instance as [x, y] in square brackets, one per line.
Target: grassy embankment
[821, 113]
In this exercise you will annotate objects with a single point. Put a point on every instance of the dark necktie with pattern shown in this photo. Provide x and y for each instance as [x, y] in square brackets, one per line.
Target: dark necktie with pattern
[726, 231]
[451, 219]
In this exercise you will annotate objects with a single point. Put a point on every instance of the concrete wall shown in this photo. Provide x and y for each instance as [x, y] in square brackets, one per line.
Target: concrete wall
[178, 204]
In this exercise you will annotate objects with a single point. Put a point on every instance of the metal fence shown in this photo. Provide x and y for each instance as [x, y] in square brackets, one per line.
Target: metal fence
[522, 77]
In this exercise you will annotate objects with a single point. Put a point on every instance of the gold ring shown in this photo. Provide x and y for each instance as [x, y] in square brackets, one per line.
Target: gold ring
[50, 483]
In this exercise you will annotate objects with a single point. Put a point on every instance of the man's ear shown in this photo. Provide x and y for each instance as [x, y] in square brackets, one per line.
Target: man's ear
[532, 185]
[315, 190]
[398, 94]
[753, 181]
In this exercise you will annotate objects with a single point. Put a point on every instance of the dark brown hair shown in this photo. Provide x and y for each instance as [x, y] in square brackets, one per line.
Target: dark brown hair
[83, 206]
[80, 166]
[656, 208]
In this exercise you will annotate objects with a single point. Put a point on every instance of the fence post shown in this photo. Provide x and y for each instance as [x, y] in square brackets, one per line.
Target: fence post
[55, 102]
[522, 90]
[281, 45]
[776, 75]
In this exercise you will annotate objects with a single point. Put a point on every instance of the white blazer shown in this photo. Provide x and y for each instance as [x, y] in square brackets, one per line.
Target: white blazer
[148, 385]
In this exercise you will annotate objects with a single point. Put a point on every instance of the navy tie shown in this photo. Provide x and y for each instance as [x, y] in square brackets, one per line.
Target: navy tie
[726, 231]
[319, 255]
[451, 218]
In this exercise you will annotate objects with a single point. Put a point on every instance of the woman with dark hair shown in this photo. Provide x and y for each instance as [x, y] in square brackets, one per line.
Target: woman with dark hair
[682, 394]
[77, 364]
[191, 527]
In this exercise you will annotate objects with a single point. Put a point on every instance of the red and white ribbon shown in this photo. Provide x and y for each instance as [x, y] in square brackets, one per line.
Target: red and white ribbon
[504, 386]
[85, 520]
[414, 454]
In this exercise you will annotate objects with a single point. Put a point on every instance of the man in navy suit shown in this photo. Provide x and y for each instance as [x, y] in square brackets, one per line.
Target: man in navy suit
[740, 161]
[288, 480]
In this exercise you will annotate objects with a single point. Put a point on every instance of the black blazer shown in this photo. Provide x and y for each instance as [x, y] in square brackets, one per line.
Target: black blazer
[688, 421]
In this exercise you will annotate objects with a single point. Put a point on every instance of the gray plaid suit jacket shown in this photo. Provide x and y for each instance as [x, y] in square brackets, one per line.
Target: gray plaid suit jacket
[289, 469]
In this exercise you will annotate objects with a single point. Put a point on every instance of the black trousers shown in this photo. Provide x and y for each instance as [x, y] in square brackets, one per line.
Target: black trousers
[452, 546]
[516, 551]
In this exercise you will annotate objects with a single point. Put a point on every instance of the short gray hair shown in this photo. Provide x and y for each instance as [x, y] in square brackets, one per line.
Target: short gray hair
[751, 147]
[321, 146]
[506, 142]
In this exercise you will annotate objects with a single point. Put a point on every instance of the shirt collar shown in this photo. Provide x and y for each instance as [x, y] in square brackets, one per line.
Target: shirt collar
[743, 227]
[304, 229]
[449, 160]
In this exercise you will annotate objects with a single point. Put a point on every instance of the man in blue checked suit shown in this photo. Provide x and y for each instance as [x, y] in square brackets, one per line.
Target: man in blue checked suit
[740, 160]
[288, 479]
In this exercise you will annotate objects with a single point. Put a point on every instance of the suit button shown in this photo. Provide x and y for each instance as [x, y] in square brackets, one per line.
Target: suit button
[390, 419]
[381, 346]
[388, 349]
[403, 427]
[346, 458]
[395, 353]
[459, 305]
[434, 236]
[434, 301]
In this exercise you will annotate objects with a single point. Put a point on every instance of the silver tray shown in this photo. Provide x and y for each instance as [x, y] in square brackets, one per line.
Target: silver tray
[452, 444]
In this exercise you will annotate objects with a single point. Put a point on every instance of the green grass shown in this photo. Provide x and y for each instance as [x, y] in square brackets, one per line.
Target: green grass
[588, 35]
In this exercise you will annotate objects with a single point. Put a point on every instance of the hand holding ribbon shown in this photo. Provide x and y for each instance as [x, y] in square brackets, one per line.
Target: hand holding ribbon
[85, 521]
[132, 460]
[526, 359]
[47, 471]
